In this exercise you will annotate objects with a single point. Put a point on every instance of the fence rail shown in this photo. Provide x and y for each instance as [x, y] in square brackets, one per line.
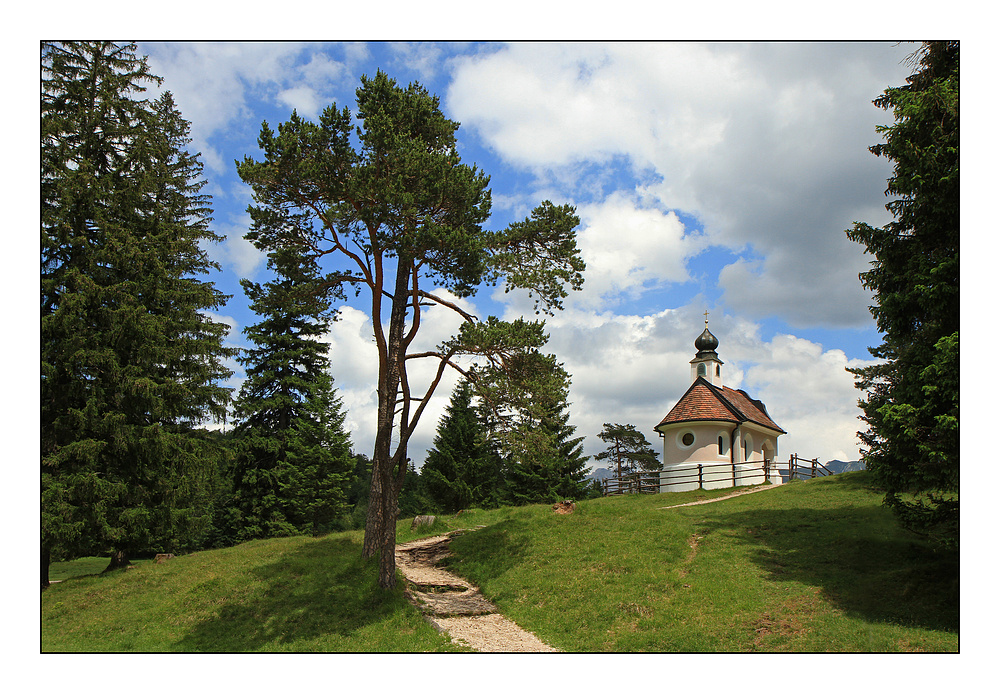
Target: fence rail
[803, 468]
[713, 473]
[652, 482]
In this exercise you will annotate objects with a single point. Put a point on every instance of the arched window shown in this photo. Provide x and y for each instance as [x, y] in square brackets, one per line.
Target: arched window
[718, 370]
[722, 446]
[701, 369]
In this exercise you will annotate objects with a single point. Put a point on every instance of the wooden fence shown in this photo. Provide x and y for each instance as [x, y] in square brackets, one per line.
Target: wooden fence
[756, 472]
[802, 468]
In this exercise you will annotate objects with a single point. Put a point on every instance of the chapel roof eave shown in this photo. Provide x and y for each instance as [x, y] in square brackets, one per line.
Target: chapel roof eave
[704, 402]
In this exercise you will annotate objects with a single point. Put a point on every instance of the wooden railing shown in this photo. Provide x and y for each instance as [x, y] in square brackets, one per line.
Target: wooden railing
[632, 483]
[802, 468]
[754, 472]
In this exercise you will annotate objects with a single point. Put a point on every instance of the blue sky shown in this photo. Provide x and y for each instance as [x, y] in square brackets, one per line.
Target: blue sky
[708, 176]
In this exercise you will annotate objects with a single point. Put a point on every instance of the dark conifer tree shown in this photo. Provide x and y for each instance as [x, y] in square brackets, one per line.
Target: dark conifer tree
[452, 474]
[911, 395]
[130, 363]
[294, 459]
[557, 467]
[628, 450]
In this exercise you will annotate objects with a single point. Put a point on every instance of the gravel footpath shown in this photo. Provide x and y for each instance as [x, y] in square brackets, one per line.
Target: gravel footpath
[456, 607]
[723, 498]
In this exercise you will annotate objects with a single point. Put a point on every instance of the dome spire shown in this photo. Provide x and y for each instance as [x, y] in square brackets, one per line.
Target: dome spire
[706, 363]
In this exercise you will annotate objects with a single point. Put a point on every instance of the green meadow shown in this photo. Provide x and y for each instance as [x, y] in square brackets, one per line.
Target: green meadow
[812, 566]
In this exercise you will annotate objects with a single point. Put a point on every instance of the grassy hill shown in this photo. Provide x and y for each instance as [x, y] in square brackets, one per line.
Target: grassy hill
[810, 566]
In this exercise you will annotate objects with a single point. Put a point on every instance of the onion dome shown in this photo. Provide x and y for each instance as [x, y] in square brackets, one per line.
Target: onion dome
[706, 344]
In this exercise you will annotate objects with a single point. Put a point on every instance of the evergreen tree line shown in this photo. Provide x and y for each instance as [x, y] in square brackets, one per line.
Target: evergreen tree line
[133, 365]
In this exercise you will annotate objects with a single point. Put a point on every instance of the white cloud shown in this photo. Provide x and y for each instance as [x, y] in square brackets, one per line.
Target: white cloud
[767, 144]
[424, 58]
[304, 100]
[235, 252]
[627, 248]
[815, 393]
[211, 83]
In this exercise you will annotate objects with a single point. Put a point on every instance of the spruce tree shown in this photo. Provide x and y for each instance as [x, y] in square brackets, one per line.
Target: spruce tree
[461, 469]
[294, 459]
[911, 395]
[555, 467]
[130, 363]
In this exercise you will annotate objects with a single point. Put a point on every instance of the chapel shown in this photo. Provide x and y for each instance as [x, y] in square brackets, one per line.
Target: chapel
[716, 436]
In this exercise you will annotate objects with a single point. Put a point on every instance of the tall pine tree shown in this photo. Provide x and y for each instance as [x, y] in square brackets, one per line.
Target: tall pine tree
[384, 196]
[294, 458]
[911, 404]
[130, 362]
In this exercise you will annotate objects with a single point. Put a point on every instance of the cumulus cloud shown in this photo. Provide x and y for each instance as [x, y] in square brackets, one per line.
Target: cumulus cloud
[304, 100]
[423, 58]
[815, 394]
[212, 82]
[628, 248]
[235, 252]
[766, 144]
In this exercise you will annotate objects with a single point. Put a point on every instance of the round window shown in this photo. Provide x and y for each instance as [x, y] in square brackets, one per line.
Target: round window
[687, 439]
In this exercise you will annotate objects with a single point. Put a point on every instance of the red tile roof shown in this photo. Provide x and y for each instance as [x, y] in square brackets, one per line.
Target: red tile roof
[703, 401]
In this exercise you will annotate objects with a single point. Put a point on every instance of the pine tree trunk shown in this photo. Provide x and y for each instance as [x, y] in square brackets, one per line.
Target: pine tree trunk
[119, 560]
[387, 557]
[46, 556]
[373, 518]
[380, 524]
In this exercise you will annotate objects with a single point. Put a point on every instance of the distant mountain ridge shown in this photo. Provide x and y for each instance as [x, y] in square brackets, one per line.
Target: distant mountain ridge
[838, 466]
[600, 473]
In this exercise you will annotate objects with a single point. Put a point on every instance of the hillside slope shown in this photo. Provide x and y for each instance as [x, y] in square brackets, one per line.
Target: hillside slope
[809, 566]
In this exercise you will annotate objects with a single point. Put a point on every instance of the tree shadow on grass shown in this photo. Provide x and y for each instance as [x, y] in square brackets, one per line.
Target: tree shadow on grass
[864, 563]
[491, 551]
[324, 588]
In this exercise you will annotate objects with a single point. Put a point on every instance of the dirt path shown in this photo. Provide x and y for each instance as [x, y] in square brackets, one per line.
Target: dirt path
[455, 606]
[727, 496]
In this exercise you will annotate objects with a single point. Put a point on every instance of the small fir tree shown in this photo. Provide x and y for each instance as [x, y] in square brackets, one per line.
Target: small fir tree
[628, 450]
[293, 457]
[550, 465]
[461, 469]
